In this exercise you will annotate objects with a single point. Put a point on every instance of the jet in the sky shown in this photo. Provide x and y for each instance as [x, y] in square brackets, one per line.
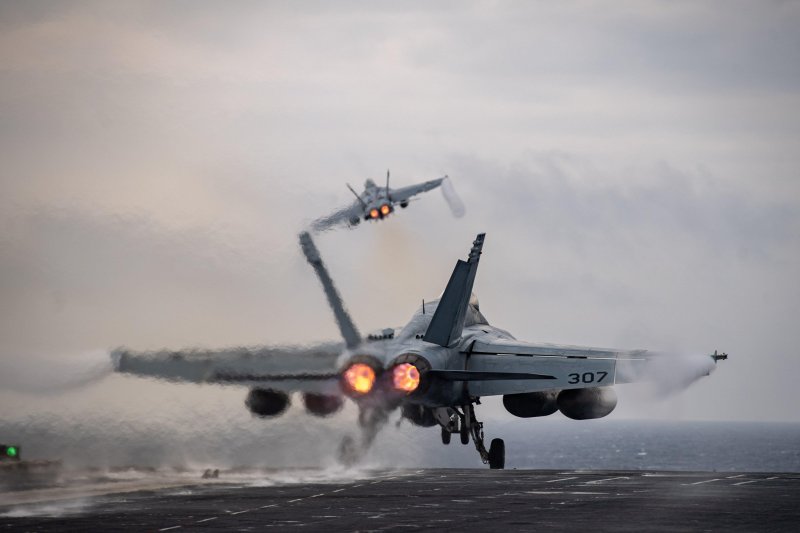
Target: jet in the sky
[377, 203]
[435, 369]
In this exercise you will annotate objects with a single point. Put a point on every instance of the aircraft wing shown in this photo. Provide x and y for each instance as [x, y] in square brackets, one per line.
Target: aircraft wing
[404, 193]
[344, 215]
[292, 368]
[512, 367]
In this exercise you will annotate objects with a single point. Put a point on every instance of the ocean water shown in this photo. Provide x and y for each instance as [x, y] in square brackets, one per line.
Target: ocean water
[551, 443]
[655, 445]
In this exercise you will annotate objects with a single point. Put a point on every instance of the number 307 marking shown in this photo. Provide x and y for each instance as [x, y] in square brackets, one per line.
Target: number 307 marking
[587, 377]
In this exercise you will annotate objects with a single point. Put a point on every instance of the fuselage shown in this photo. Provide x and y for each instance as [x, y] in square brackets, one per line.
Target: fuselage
[376, 201]
[393, 344]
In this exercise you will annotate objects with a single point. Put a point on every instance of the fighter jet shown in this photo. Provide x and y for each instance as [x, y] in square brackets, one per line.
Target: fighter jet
[434, 370]
[377, 203]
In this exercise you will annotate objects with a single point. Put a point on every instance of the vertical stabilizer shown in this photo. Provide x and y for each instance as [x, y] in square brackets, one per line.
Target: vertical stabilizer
[448, 320]
[346, 327]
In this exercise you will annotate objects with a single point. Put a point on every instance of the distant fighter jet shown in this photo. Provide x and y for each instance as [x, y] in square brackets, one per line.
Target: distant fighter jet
[377, 203]
[435, 369]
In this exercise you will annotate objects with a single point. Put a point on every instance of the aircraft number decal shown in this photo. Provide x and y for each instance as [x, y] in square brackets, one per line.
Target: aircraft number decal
[587, 377]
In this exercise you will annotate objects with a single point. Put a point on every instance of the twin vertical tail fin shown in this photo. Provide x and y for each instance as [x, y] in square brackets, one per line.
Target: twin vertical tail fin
[448, 320]
[346, 326]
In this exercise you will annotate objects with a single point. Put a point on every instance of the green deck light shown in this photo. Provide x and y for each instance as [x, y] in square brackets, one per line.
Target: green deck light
[11, 451]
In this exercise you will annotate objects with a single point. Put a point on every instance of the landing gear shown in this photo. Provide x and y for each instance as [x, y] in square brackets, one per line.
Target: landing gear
[497, 454]
[446, 436]
[464, 432]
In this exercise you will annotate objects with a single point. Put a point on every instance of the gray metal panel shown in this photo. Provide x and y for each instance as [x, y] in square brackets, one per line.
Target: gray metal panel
[404, 193]
[309, 369]
[569, 373]
[505, 346]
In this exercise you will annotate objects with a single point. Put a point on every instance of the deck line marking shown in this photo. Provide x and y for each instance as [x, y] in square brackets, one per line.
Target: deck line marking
[562, 479]
[706, 481]
[338, 490]
[295, 500]
[240, 512]
[270, 505]
[746, 482]
[168, 528]
[207, 519]
[734, 477]
[774, 477]
[317, 495]
[606, 479]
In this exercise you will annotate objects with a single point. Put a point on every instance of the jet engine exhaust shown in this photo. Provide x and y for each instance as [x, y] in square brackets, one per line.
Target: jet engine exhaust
[405, 377]
[359, 378]
[452, 198]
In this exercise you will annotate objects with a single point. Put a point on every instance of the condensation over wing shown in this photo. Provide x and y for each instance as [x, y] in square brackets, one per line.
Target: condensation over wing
[345, 215]
[286, 368]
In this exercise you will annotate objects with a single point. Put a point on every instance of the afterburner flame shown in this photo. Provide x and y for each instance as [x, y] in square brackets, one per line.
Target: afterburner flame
[405, 377]
[384, 209]
[373, 213]
[360, 378]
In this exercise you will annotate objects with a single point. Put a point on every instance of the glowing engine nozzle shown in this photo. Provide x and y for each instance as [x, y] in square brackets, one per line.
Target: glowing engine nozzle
[405, 377]
[385, 209]
[359, 377]
[373, 213]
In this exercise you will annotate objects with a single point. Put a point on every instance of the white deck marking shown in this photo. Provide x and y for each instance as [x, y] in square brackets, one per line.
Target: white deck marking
[295, 500]
[317, 495]
[706, 481]
[240, 512]
[207, 519]
[268, 506]
[746, 482]
[337, 490]
[606, 479]
[168, 528]
[561, 479]
[734, 477]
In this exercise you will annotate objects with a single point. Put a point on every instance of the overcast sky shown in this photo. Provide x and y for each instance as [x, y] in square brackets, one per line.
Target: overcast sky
[634, 164]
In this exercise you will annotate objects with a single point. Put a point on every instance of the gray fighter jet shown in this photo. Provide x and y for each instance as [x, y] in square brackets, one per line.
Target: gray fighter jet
[377, 203]
[435, 369]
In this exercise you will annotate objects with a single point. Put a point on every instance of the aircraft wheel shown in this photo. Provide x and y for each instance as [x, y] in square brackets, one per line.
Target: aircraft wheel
[445, 436]
[464, 434]
[497, 454]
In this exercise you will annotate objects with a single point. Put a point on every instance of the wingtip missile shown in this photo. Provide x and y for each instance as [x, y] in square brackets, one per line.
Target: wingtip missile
[716, 356]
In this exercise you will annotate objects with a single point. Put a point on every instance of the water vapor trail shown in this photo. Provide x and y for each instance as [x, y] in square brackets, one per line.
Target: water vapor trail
[452, 199]
[667, 373]
[53, 374]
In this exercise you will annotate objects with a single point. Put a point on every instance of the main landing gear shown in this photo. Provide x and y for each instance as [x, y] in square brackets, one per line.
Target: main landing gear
[464, 423]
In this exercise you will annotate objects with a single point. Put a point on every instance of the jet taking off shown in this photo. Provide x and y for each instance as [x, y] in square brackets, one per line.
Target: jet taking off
[435, 369]
[377, 203]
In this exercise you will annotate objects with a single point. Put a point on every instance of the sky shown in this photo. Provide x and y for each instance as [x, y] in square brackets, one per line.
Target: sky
[633, 163]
